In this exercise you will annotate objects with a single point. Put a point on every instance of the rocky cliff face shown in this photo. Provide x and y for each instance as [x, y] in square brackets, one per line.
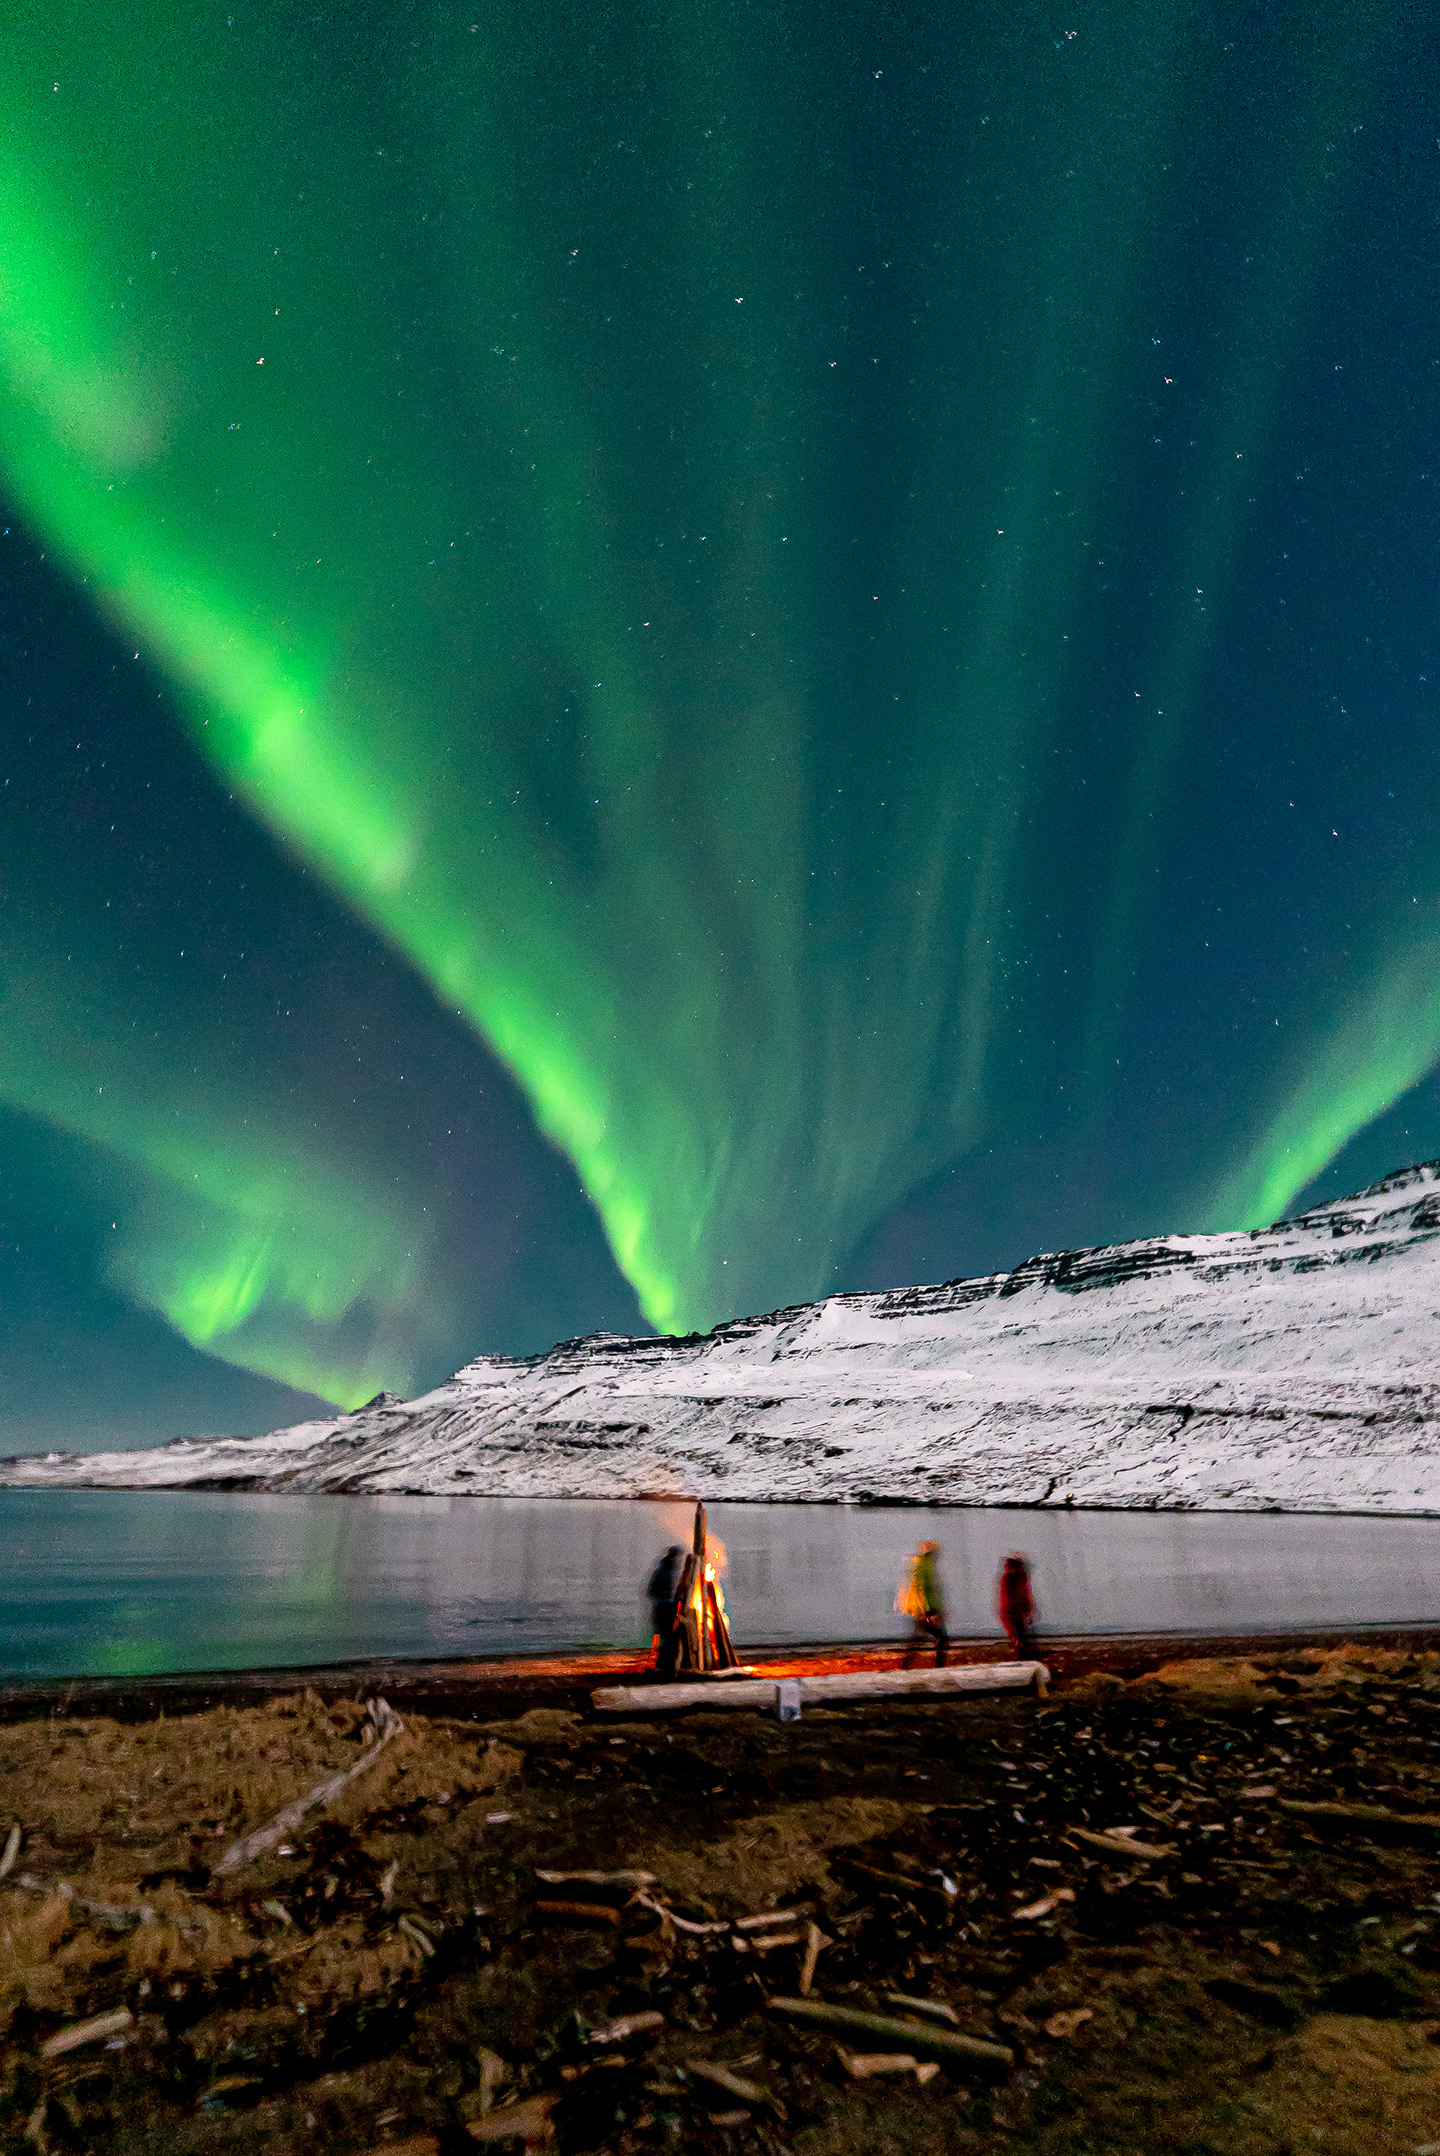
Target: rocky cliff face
[1297, 1366]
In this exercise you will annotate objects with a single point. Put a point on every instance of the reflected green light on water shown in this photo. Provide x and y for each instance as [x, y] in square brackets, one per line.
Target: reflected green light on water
[117, 1583]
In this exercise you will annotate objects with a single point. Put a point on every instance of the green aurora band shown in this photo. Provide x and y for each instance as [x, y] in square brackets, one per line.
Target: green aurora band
[651, 586]
[255, 1234]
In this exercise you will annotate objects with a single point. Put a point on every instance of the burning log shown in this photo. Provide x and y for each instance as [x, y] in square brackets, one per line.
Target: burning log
[700, 1622]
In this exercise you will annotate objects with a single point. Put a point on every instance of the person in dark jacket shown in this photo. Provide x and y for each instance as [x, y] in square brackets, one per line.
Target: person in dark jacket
[1016, 1605]
[664, 1595]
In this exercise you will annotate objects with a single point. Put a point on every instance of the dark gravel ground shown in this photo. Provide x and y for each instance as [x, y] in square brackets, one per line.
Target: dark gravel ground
[1248, 1979]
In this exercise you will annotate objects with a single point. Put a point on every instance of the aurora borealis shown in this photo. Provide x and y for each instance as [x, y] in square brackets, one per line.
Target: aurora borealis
[736, 650]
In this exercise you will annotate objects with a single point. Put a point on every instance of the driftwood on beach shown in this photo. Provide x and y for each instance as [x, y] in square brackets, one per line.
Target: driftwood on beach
[865, 1917]
[817, 1691]
[386, 1724]
[914, 2037]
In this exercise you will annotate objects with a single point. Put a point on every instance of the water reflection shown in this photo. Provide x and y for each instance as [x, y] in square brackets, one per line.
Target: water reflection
[112, 1581]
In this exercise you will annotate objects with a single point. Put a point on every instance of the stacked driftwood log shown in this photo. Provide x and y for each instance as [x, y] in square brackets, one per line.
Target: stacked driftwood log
[702, 1629]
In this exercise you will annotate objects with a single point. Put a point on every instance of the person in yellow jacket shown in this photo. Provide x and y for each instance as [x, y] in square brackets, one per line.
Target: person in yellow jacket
[921, 1600]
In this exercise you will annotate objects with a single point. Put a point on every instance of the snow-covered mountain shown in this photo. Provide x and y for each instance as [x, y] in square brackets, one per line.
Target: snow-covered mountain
[1297, 1366]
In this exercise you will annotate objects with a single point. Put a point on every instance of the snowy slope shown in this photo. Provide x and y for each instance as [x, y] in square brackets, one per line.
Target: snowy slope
[1297, 1366]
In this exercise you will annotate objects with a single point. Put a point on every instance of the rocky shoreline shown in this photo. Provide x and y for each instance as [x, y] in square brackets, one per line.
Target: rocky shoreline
[1193, 1905]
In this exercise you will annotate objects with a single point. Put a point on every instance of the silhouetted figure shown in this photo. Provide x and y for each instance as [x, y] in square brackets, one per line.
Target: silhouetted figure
[664, 1593]
[921, 1600]
[1016, 1605]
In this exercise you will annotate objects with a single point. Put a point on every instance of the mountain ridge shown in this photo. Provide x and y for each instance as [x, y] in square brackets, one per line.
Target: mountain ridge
[1294, 1366]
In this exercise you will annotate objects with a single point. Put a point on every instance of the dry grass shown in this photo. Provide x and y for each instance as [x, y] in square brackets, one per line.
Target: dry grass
[133, 1817]
[345, 1996]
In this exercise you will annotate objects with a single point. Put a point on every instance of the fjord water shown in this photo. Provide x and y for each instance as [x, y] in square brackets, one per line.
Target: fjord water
[124, 1582]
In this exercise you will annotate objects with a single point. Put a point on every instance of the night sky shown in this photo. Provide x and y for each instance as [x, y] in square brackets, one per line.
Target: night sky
[656, 659]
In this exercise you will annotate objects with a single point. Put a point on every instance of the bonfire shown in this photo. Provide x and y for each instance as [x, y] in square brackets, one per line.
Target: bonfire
[704, 1634]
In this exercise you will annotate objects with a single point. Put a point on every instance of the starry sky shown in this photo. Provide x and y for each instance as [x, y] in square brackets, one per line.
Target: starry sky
[659, 658]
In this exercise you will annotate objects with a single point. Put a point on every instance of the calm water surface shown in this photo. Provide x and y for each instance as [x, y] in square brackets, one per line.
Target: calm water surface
[115, 1582]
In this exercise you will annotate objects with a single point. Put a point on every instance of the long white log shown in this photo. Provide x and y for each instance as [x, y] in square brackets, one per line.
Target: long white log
[817, 1691]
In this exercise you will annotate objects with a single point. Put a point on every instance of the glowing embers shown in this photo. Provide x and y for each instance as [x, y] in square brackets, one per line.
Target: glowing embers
[701, 1629]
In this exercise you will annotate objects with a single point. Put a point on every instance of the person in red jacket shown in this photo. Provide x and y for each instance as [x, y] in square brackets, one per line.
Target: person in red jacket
[1016, 1605]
